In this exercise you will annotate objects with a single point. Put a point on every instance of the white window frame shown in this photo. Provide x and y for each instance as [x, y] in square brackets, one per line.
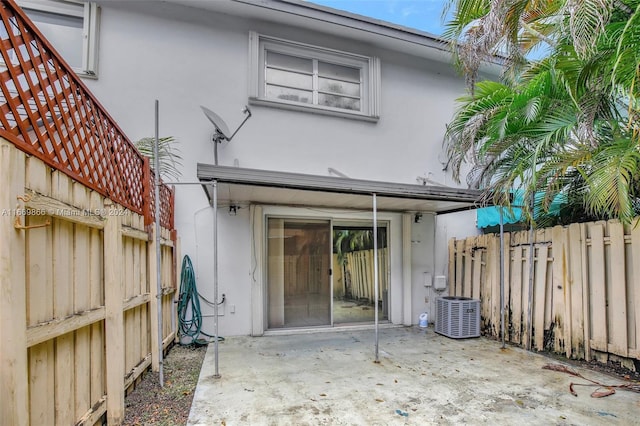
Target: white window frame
[369, 75]
[90, 32]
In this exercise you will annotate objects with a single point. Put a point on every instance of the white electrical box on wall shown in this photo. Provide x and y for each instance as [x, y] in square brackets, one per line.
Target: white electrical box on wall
[426, 276]
[440, 282]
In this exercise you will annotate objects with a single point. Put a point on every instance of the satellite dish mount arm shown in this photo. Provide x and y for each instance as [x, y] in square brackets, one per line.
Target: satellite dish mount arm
[247, 112]
[221, 128]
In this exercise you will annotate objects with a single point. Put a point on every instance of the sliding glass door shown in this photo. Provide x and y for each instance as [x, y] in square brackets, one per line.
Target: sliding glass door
[298, 272]
[353, 278]
[301, 289]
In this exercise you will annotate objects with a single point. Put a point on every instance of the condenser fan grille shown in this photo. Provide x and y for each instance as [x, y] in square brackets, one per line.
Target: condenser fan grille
[458, 317]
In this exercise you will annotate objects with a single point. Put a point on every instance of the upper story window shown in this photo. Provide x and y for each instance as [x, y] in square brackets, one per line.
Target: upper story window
[298, 76]
[71, 27]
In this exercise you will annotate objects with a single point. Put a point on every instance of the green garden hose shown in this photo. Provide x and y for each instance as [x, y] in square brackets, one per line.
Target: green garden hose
[189, 313]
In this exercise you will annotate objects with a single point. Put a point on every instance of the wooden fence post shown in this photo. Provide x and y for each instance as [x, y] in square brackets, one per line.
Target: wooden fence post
[14, 391]
[114, 321]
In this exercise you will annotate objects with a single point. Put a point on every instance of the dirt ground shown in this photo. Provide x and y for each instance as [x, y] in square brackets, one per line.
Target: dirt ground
[149, 404]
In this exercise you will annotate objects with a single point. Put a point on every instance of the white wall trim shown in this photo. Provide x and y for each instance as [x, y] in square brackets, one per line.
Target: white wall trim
[369, 67]
[258, 309]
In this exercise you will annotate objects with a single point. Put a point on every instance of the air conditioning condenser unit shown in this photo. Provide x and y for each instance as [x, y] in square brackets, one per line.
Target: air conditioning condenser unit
[458, 317]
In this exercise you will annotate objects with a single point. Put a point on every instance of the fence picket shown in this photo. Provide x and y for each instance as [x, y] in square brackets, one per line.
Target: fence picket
[368, 262]
[599, 329]
[507, 281]
[575, 302]
[477, 268]
[13, 297]
[559, 242]
[114, 322]
[526, 301]
[539, 294]
[460, 246]
[494, 254]
[548, 313]
[618, 295]
[41, 372]
[515, 284]
[468, 266]
[452, 266]
[635, 284]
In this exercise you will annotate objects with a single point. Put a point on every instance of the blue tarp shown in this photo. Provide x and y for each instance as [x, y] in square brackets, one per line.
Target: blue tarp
[490, 216]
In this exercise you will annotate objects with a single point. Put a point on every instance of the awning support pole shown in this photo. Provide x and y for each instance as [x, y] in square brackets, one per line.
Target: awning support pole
[531, 260]
[375, 269]
[502, 277]
[156, 214]
[215, 276]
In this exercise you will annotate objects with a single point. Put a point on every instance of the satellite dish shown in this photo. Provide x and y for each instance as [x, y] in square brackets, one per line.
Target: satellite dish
[222, 130]
[218, 122]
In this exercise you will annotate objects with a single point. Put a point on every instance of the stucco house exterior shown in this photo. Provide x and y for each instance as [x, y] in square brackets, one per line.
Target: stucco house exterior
[342, 107]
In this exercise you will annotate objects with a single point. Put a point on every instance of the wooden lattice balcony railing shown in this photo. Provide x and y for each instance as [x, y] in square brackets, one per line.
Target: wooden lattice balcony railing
[47, 111]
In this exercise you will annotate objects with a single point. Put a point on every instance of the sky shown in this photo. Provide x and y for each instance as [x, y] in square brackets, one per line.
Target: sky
[425, 15]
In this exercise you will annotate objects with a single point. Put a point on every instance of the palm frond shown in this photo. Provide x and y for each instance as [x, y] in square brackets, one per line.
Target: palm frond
[610, 179]
[168, 155]
[587, 20]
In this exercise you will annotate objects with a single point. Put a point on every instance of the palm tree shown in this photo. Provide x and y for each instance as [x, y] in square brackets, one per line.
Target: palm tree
[346, 241]
[565, 123]
[168, 155]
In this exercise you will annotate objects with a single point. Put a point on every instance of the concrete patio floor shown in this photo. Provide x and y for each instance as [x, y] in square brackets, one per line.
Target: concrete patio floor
[329, 378]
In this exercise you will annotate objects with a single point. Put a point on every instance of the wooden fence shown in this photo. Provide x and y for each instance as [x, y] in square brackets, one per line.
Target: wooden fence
[78, 306]
[78, 293]
[583, 299]
[355, 278]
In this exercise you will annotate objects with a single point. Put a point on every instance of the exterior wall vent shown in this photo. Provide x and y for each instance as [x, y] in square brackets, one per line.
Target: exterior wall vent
[458, 317]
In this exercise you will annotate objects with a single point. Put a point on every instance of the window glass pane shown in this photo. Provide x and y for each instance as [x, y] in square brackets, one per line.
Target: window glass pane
[63, 31]
[339, 102]
[288, 94]
[353, 292]
[289, 62]
[339, 87]
[290, 79]
[339, 72]
[299, 284]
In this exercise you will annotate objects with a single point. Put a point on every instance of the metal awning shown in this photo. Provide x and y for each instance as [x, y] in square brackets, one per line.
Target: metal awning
[240, 185]
[233, 185]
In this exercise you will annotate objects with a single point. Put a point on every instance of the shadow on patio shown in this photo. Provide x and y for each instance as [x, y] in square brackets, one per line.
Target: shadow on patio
[423, 378]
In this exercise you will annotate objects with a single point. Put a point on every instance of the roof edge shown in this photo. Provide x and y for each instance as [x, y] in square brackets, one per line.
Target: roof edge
[258, 177]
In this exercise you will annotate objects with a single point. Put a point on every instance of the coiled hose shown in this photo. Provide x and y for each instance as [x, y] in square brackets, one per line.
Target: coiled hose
[189, 312]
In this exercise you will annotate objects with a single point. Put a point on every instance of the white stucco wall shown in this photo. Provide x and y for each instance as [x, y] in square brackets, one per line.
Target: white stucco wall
[186, 57]
[422, 262]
